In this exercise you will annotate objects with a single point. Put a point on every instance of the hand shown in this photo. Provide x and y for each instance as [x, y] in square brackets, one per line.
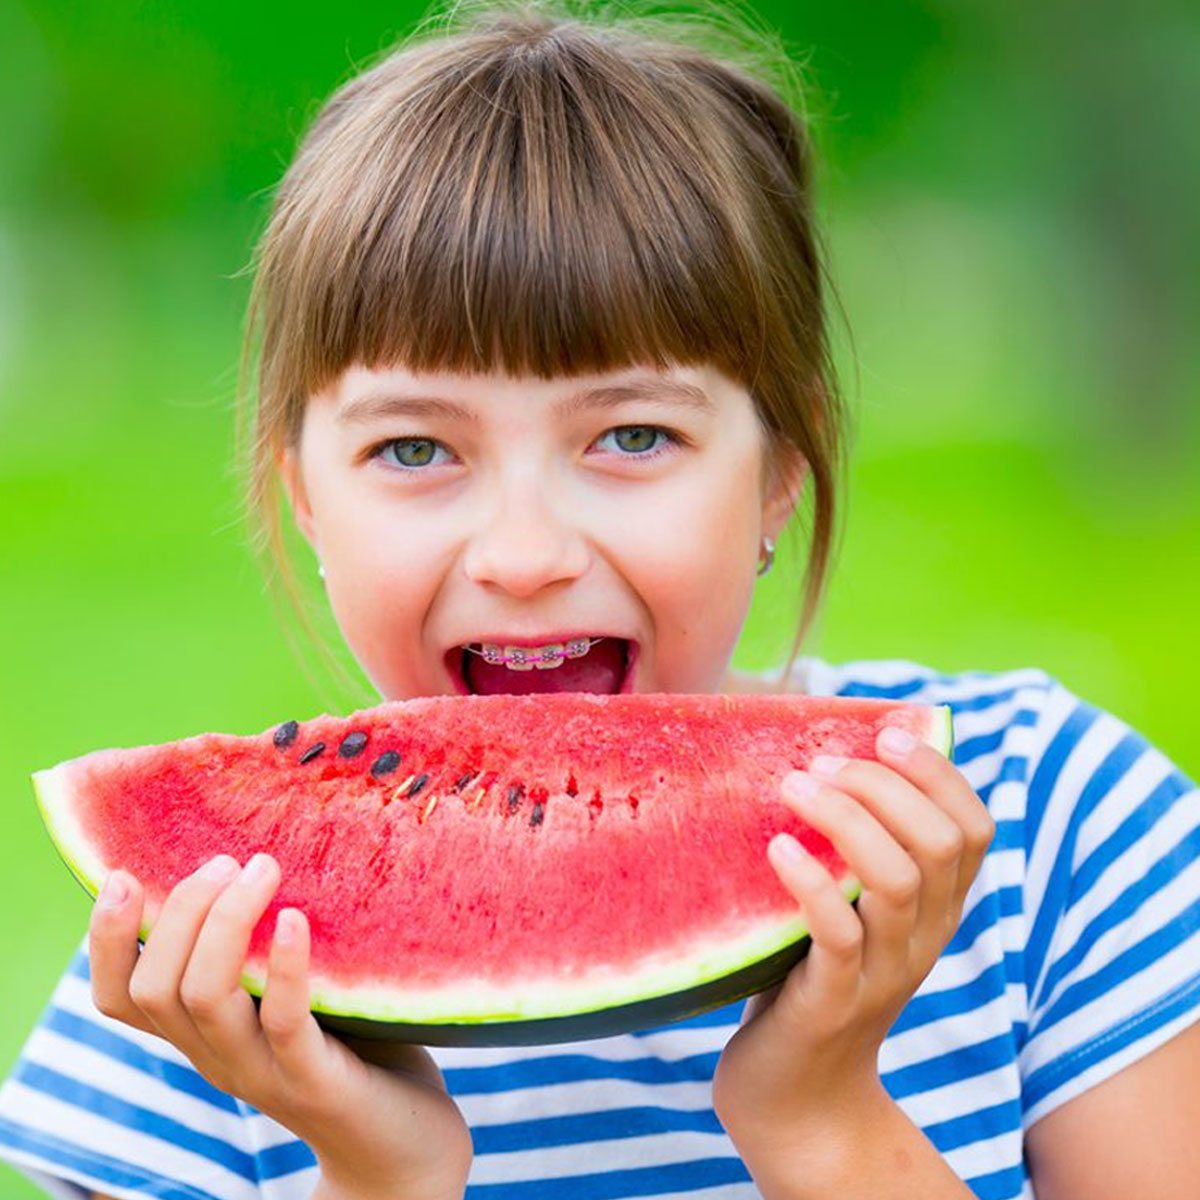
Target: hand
[375, 1130]
[912, 830]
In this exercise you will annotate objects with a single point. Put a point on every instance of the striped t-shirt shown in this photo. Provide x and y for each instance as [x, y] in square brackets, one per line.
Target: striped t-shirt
[1077, 954]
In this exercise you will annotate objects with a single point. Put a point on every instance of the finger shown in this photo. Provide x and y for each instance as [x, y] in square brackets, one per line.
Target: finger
[156, 981]
[211, 988]
[892, 882]
[113, 950]
[933, 774]
[290, 1029]
[831, 973]
[929, 837]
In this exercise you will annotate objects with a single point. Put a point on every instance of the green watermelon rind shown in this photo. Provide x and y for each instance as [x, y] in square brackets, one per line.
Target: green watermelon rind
[548, 1001]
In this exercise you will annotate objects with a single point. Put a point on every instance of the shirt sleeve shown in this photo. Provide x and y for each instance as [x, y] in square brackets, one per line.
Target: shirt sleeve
[95, 1105]
[1111, 902]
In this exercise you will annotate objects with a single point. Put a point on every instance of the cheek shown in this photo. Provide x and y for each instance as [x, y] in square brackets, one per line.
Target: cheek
[380, 577]
[698, 540]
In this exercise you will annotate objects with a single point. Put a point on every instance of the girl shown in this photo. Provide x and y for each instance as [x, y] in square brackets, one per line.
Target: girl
[544, 356]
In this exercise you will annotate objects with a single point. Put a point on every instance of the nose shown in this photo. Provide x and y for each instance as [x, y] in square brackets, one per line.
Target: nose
[524, 540]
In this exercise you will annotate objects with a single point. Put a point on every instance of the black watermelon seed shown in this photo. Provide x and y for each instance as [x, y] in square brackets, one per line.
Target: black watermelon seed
[462, 783]
[285, 735]
[386, 763]
[539, 814]
[514, 796]
[418, 784]
[352, 744]
[312, 752]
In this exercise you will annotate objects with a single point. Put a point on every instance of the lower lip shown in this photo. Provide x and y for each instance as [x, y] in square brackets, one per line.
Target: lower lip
[631, 658]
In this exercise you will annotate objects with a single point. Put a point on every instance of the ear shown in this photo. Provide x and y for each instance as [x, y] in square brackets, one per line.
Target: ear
[288, 464]
[784, 485]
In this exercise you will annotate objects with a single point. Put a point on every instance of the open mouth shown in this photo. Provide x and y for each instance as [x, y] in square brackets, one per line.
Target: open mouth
[606, 668]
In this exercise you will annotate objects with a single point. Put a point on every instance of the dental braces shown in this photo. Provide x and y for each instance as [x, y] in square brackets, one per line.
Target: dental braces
[575, 648]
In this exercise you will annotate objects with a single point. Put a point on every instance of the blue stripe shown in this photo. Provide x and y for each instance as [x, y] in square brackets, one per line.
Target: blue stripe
[1013, 768]
[1057, 895]
[598, 1126]
[1050, 766]
[113, 1045]
[979, 1126]
[1009, 835]
[573, 1068]
[975, 747]
[615, 1185]
[1040, 1083]
[980, 702]
[108, 1171]
[963, 1062]
[93, 1100]
[987, 986]
[1184, 927]
[891, 691]
[1126, 906]
[1133, 828]
[989, 910]
[987, 700]
[286, 1158]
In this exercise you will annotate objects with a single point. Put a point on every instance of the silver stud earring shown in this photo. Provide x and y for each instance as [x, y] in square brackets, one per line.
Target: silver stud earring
[766, 556]
[321, 570]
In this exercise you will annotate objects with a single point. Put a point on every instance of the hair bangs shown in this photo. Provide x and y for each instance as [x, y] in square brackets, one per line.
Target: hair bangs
[571, 229]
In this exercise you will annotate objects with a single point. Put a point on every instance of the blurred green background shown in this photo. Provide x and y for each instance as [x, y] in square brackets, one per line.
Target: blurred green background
[1009, 194]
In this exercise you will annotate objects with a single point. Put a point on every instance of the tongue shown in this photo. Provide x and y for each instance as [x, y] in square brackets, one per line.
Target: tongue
[602, 670]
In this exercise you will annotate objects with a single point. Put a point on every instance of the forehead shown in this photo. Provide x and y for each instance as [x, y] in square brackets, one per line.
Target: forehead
[362, 394]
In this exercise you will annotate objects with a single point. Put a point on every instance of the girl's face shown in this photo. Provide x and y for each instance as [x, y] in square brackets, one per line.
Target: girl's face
[455, 509]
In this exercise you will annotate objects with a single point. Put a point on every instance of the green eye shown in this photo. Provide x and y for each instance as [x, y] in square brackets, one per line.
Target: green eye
[636, 438]
[414, 451]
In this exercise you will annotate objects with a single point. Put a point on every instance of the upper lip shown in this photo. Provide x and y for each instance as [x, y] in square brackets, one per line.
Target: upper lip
[548, 639]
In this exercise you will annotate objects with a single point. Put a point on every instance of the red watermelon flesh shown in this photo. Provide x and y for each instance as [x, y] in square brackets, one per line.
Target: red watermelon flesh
[494, 869]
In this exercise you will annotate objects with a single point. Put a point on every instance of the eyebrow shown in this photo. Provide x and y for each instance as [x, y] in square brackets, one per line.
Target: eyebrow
[673, 392]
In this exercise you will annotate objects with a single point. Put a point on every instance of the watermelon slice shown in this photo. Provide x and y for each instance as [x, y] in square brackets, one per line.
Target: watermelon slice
[495, 870]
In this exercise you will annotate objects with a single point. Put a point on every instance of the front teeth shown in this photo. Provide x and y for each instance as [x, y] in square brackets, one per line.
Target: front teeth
[525, 658]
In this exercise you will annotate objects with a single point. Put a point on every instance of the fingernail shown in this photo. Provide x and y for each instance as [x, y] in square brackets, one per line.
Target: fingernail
[827, 765]
[218, 869]
[789, 849]
[897, 740]
[287, 926]
[257, 869]
[114, 893]
[800, 786]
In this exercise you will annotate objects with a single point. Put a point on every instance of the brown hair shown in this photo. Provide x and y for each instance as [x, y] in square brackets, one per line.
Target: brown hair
[524, 189]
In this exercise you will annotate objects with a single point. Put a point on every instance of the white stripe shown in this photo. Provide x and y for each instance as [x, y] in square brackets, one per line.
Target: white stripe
[1078, 768]
[1086, 1025]
[982, 1158]
[589, 1096]
[95, 1134]
[1155, 911]
[670, 1045]
[1143, 777]
[585, 1158]
[913, 1047]
[89, 1066]
[74, 995]
[962, 1096]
